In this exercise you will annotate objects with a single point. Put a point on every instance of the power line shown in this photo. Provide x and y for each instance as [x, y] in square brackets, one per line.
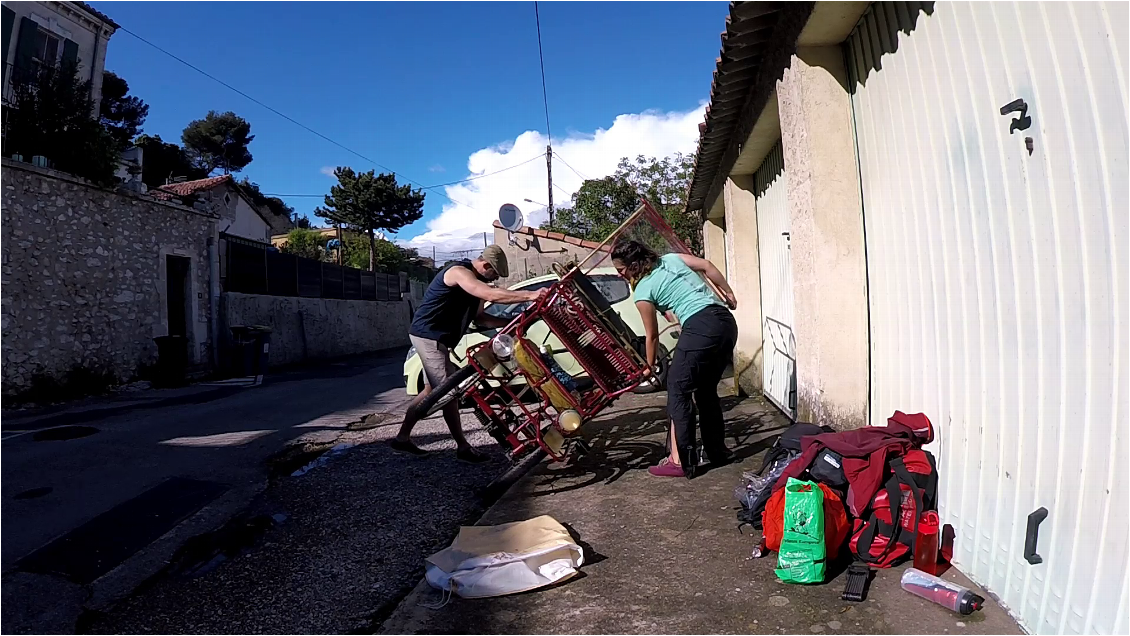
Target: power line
[283, 115]
[489, 174]
[541, 58]
[558, 155]
[438, 185]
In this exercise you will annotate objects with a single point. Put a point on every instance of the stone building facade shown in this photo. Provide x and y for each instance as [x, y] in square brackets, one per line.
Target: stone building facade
[85, 275]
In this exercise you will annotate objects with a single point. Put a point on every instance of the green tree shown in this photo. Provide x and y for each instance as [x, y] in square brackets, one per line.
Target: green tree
[664, 183]
[366, 202]
[218, 142]
[162, 162]
[390, 258]
[597, 208]
[300, 221]
[601, 205]
[276, 205]
[52, 117]
[122, 114]
[305, 243]
[355, 251]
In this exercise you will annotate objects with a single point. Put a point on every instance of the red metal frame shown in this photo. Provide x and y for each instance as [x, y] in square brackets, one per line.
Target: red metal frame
[614, 366]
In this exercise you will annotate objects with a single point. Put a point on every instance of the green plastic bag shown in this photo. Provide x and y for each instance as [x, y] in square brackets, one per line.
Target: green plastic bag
[801, 558]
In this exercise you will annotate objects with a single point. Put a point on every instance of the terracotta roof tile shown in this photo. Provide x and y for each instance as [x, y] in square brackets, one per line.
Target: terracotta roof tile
[98, 14]
[556, 236]
[188, 188]
[758, 36]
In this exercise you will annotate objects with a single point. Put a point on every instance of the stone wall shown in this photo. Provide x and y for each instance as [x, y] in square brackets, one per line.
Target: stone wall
[312, 328]
[83, 274]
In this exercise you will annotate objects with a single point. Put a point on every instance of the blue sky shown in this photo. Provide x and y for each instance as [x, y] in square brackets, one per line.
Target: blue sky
[435, 91]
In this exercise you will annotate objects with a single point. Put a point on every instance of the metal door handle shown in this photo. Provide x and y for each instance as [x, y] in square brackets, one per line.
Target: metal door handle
[1033, 534]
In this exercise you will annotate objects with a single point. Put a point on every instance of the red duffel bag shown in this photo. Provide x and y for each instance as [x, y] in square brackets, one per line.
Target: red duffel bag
[910, 489]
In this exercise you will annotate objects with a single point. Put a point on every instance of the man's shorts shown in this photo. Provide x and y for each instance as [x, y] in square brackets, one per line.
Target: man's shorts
[435, 358]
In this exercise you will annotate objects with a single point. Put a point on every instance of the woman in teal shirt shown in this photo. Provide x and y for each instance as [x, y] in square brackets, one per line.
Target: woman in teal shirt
[674, 282]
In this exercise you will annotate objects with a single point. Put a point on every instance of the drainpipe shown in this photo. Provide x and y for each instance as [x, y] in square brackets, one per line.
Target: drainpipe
[214, 299]
[94, 71]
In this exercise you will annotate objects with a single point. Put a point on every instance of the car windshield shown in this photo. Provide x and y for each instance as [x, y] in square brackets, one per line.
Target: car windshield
[611, 286]
[510, 311]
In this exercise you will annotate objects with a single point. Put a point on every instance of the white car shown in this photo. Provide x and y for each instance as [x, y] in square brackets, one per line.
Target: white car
[614, 288]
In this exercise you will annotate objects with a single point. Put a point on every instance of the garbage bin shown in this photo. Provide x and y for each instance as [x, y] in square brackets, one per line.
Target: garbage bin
[172, 361]
[253, 345]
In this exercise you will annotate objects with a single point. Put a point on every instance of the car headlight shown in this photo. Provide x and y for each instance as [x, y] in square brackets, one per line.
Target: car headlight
[411, 352]
[503, 347]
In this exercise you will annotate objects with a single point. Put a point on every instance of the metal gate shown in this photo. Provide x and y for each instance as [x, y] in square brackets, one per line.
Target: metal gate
[992, 141]
[779, 365]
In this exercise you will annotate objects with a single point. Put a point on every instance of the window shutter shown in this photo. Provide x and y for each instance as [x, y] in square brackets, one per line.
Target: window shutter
[9, 22]
[70, 54]
[25, 48]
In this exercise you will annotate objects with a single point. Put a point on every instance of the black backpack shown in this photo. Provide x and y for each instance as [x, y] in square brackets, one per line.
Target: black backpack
[785, 448]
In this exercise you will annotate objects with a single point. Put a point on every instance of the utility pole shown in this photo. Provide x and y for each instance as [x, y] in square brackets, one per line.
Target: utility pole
[340, 247]
[549, 172]
[484, 240]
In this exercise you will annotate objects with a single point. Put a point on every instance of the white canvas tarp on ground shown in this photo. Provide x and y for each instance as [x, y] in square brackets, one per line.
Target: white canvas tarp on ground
[505, 559]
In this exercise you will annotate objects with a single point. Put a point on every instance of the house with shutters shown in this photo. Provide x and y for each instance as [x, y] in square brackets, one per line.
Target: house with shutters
[39, 34]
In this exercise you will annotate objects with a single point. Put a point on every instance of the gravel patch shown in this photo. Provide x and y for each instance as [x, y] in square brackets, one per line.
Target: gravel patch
[352, 543]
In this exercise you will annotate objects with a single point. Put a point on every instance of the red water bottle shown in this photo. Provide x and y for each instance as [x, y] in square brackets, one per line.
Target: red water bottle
[926, 545]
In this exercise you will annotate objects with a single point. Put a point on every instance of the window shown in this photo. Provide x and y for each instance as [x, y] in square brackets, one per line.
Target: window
[612, 287]
[47, 48]
[510, 311]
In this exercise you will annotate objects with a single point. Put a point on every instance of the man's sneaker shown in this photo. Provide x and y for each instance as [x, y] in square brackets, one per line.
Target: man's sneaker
[408, 448]
[471, 456]
[720, 457]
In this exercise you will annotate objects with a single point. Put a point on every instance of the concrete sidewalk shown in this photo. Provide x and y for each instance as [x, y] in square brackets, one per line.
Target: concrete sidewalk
[665, 555]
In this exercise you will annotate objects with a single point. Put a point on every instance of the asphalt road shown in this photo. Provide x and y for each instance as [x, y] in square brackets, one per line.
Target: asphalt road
[89, 472]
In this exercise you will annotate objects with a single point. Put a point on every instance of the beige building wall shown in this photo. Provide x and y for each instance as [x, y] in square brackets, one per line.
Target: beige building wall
[714, 243]
[742, 261]
[531, 252]
[828, 255]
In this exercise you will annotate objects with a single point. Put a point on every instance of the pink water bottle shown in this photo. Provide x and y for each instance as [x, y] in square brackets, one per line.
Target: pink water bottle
[926, 545]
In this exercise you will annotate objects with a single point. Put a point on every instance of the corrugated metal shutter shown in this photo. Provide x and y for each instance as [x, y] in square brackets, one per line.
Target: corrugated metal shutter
[779, 369]
[998, 282]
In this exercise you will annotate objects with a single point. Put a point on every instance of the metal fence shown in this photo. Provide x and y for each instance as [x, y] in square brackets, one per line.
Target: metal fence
[252, 268]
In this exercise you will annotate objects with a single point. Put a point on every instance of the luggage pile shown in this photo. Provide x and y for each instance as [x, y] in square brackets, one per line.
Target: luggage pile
[820, 492]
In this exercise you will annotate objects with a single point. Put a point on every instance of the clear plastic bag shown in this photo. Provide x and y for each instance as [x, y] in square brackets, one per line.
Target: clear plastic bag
[753, 485]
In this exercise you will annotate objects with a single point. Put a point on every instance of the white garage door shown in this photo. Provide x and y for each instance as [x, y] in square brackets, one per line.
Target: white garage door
[998, 282]
[779, 368]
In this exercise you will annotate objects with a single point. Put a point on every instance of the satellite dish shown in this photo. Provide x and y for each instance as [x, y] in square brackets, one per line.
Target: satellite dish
[510, 217]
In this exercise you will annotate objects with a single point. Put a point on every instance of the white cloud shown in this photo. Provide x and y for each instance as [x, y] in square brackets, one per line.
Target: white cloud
[437, 168]
[460, 225]
[328, 171]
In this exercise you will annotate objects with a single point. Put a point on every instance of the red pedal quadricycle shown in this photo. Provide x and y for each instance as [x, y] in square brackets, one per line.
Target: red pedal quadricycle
[519, 393]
